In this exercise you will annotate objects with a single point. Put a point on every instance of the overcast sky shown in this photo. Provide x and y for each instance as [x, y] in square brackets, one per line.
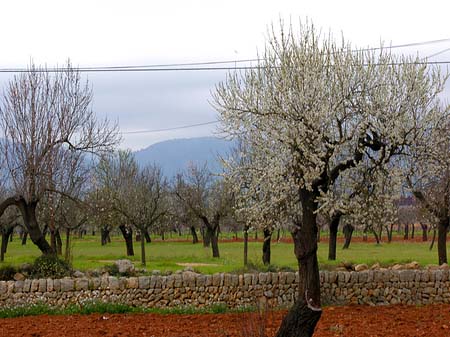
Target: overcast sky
[132, 32]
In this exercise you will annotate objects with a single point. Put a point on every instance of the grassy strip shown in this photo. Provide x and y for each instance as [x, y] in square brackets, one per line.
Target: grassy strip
[97, 307]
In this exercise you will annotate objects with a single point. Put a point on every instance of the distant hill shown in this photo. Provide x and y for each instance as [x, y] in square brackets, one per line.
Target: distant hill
[175, 155]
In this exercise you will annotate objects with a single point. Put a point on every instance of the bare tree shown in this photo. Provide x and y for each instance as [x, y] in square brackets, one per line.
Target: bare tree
[208, 198]
[137, 194]
[314, 110]
[46, 118]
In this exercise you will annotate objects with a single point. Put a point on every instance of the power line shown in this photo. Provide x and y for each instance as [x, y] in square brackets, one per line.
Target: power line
[206, 65]
[169, 129]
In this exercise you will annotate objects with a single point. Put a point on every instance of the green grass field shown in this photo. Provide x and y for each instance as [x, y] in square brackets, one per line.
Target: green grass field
[170, 255]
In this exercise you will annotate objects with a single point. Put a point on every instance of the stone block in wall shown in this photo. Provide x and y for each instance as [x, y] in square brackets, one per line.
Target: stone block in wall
[18, 286]
[57, 285]
[217, 279]
[274, 278]
[81, 284]
[26, 286]
[34, 285]
[144, 282]
[94, 283]
[341, 277]
[281, 278]
[177, 280]
[247, 279]
[363, 276]
[189, 279]
[290, 278]
[113, 283]
[49, 285]
[3, 287]
[332, 277]
[42, 285]
[200, 281]
[67, 284]
[132, 283]
[406, 275]
[262, 278]
[424, 276]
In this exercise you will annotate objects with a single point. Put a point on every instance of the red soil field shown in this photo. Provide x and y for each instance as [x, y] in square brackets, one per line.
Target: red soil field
[358, 321]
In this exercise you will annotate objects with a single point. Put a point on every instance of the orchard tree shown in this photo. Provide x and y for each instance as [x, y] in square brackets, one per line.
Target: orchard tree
[45, 119]
[137, 194]
[312, 110]
[429, 178]
[207, 197]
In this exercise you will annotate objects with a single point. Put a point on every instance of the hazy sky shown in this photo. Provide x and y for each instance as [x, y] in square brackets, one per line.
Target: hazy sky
[132, 32]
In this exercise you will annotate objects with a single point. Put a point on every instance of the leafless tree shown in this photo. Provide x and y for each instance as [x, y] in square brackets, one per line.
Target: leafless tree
[207, 197]
[45, 120]
[137, 194]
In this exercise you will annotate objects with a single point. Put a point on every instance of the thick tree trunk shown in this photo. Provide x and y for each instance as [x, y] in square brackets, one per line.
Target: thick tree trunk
[127, 234]
[348, 232]
[334, 225]
[246, 246]
[28, 211]
[442, 240]
[194, 235]
[304, 315]
[266, 246]
[424, 232]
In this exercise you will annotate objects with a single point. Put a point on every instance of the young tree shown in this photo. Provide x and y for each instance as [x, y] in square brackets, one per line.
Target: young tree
[46, 118]
[313, 110]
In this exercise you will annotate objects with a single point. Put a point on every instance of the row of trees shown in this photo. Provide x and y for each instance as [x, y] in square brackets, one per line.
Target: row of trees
[323, 131]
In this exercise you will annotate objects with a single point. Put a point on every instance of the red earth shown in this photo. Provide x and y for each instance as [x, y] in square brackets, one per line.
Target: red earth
[358, 321]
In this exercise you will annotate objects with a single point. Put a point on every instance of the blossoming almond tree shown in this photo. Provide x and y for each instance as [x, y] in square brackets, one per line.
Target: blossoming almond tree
[311, 110]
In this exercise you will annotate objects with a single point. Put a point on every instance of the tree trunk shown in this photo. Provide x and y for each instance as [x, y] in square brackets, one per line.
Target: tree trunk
[389, 230]
[214, 241]
[433, 239]
[304, 315]
[406, 236]
[278, 234]
[442, 240]
[127, 233]
[246, 246]
[206, 237]
[413, 227]
[348, 232]
[194, 235]
[377, 236]
[266, 246]
[55, 241]
[67, 254]
[104, 233]
[24, 238]
[28, 211]
[147, 237]
[424, 232]
[6, 234]
[334, 225]
[143, 260]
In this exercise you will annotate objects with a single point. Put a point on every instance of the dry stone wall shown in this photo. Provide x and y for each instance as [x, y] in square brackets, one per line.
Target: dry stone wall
[371, 287]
